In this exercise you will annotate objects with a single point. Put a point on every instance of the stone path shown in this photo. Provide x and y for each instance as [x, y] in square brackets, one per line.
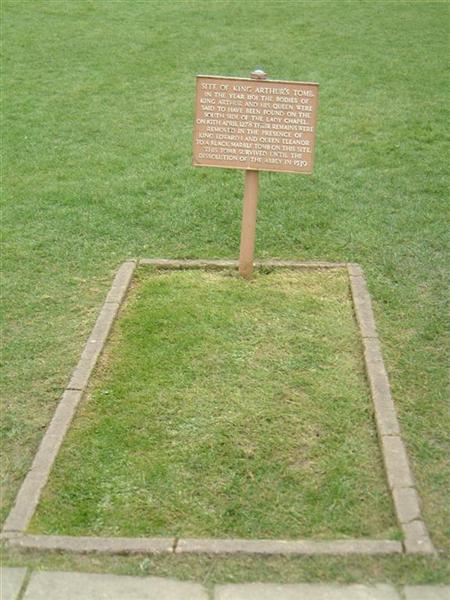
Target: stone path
[55, 585]
[11, 582]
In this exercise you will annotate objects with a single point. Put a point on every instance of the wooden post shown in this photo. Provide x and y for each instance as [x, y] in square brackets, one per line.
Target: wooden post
[248, 228]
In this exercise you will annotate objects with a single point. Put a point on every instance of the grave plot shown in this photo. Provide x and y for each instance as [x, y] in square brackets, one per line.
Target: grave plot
[225, 409]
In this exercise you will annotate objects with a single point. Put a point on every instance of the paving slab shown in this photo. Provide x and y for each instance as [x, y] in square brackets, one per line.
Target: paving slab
[30, 490]
[427, 592]
[385, 414]
[90, 586]
[396, 462]
[94, 346]
[187, 263]
[417, 540]
[286, 547]
[121, 282]
[363, 306]
[11, 580]
[407, 504]
[304, 591]
[88, 544]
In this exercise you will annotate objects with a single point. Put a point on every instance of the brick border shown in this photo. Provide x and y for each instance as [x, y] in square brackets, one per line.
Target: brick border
[400, 481]
[87, 545]
[286, 547]
[28, 497]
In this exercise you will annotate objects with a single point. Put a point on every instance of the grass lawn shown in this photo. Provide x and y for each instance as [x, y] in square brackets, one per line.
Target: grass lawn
[224, 408]
[97, 112]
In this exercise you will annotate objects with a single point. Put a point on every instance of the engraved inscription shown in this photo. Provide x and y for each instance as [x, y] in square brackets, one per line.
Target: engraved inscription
[255, 124]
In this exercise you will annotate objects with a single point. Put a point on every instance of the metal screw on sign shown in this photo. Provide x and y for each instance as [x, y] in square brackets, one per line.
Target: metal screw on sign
[258, 74]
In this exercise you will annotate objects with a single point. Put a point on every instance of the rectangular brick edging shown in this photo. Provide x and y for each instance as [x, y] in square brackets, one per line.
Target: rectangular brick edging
[405, 497]
[36, 478]
[396, 464]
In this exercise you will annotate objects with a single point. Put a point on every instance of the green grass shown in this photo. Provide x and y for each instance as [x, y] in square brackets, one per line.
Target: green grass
[97, 114]
[224, 408]
[398, 570]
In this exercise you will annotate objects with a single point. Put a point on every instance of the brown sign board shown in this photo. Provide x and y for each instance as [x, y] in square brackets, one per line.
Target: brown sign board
[261, 125]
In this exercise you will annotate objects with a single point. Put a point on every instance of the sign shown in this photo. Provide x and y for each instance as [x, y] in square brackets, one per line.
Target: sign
[255, 124]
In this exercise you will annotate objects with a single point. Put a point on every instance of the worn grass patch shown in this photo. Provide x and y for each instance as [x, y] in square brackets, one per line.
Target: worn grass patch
[223, 408]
